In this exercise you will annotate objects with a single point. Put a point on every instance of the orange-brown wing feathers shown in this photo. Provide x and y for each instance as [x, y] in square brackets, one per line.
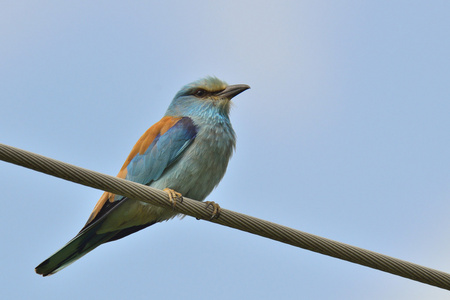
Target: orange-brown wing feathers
[140, 147]
[146, 139]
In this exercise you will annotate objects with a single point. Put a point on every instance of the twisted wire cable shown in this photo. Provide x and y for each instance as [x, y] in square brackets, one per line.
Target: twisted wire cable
[228, 218]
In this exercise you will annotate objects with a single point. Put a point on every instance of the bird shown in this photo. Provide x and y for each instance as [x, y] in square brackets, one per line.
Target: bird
[186, 153]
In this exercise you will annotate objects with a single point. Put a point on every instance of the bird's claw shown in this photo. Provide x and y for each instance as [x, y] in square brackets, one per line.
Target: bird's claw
[216, 209]
[174, 197]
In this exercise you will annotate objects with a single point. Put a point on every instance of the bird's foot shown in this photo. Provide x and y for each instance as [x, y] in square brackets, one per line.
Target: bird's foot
[174, 197]
[216, 209]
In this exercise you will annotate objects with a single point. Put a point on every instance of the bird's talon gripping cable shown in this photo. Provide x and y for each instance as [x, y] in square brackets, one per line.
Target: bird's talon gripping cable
[216, 209]
[174, 197]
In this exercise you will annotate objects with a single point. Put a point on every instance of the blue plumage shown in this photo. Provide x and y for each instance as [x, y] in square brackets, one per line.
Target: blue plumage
[187, 151]
[162, 152]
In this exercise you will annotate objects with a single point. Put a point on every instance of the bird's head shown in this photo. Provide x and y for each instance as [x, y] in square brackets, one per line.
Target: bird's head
[204, 98]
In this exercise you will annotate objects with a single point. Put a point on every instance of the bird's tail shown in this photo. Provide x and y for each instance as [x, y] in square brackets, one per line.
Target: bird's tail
[84, 242]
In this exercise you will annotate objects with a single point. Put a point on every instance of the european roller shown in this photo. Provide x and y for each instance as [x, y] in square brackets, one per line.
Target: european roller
[185, 153]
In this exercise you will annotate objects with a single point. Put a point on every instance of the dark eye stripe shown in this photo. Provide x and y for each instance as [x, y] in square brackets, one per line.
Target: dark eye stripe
[200, 93]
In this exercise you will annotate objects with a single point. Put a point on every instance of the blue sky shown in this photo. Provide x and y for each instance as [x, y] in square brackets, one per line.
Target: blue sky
[344, 134]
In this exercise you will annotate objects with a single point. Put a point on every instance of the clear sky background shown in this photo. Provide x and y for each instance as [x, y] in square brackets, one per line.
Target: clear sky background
[344, 134]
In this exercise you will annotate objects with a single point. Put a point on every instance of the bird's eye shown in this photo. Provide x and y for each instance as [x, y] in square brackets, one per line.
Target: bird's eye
[200, 93]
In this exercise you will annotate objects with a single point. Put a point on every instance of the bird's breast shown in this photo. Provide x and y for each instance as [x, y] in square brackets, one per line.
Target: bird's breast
[203, 164]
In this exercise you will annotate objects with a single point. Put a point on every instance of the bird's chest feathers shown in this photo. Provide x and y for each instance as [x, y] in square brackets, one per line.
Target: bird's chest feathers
[211, 150]
[203, 164]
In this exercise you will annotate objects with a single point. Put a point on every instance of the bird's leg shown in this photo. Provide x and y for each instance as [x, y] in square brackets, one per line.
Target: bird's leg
[174, 197]
[216, 209]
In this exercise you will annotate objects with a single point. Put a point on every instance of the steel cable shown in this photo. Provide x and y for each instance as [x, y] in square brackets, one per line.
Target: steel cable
[228, 218]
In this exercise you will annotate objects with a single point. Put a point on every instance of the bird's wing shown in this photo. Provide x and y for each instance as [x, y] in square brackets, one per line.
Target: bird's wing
[153, 153]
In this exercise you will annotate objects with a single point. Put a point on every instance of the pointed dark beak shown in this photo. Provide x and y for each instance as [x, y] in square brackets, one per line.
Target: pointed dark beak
[233, 90]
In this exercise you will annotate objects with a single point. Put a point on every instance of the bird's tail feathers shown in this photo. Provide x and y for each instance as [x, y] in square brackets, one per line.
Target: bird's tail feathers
[80, 245]
[84, 242]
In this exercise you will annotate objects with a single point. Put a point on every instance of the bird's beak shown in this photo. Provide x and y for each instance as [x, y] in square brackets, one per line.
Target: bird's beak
[232, 90]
